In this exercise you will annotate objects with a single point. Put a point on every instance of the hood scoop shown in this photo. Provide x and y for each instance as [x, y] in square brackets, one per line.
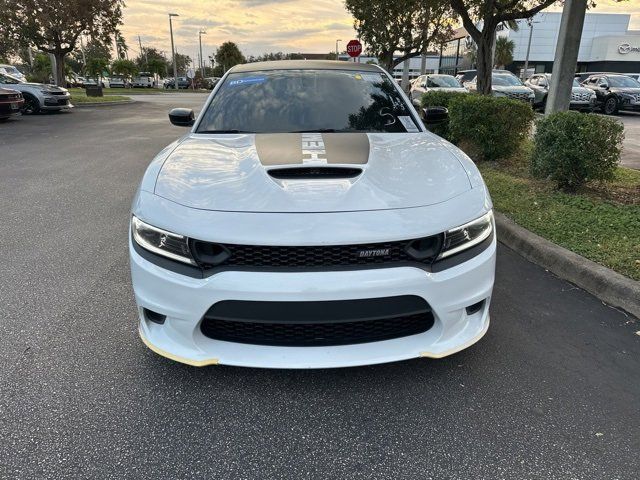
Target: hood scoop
[314, 173]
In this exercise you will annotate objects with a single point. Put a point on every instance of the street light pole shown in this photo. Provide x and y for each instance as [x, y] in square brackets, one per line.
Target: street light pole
[200, 33]
[337, 51]
[173, 52]
[526, 60]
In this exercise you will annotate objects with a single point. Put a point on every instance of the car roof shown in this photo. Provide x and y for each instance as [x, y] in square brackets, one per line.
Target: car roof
[304, 65]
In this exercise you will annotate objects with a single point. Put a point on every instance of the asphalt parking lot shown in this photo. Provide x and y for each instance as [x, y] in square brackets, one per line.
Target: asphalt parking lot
[552, 391]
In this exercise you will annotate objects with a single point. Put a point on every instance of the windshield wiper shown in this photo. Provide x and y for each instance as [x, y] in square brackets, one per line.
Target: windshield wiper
[223, 131]
[317, 130]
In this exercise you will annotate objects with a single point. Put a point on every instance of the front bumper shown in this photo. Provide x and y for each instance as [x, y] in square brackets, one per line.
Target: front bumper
[56, 102]
[185, 300]
[582, 106]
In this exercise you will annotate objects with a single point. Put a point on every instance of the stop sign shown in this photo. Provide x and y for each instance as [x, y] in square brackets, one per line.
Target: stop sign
[354, 48]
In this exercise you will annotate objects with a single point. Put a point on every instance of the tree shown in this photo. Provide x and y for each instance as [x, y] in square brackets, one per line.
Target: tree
[8, 44]
[96, 67]
[41, 68]
[228, 55]
[504, 52]
[481, 19]
[54, 26]
[407, 26]
[157, 66]
[124, 67]
[182, 61]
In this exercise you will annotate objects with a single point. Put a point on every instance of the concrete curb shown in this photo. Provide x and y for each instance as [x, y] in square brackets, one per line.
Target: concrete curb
[105, 104]
[609, 286]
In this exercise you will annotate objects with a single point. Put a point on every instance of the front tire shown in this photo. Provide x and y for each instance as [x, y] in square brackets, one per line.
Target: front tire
[610, 106]
[31, 105]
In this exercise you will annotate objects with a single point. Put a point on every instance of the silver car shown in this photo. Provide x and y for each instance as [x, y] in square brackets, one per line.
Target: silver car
[38, 96]
[13, 71]
[434, 83]
[581, 98]
[506, 85]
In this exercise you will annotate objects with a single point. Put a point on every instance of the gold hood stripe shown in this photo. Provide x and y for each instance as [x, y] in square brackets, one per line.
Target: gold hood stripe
[297, 149]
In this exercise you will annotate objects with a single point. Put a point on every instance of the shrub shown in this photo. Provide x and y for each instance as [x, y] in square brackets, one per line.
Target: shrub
[489, 127]
[439, 99]
[572, 148]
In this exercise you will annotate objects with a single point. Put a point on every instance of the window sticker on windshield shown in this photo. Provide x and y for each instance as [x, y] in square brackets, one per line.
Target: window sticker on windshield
[371, 77]
[246, 81]
[357, 76]
[408, 124]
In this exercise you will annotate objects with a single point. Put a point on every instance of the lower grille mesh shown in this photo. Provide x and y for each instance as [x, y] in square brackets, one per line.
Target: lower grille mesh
[318, 334]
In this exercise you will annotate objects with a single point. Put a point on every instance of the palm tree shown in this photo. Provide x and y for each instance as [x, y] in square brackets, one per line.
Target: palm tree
[504, 52]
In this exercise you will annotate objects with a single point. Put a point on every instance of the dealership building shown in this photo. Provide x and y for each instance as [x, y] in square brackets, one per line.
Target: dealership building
[607, 45]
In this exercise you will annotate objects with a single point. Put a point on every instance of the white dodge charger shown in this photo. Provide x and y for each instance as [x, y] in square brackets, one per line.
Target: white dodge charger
[309, 220]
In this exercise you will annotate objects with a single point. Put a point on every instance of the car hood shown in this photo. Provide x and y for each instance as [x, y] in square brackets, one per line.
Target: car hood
[236, 172]
[42, 86]
[513, 89]
[581, 90]
[447, 89]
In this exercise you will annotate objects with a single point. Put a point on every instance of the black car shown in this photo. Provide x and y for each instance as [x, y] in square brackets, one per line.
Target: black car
[615, 92]
[582, 76]
[11, 103]
[183, 82]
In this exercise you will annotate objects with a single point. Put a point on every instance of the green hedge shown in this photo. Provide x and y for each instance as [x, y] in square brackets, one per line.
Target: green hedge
[439, 99]
[572, 148]
[489, 128]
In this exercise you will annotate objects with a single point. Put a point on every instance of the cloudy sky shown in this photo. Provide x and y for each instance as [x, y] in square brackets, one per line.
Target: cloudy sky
[260, 26]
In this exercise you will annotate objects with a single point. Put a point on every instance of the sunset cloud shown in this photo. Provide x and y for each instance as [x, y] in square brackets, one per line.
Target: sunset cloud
[260, 26]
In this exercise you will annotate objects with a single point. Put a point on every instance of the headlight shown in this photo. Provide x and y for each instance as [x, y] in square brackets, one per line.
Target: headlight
[467, 235]
[162, 242]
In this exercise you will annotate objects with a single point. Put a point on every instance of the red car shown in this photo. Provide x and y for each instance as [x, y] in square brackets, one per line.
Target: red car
[11, 102]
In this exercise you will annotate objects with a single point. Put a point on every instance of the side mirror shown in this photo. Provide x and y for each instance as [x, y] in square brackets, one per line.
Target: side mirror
[182, 117]
[434, 115]
[603, 85]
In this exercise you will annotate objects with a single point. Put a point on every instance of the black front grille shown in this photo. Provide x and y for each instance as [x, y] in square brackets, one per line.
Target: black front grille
[423, 250]
[314, 324]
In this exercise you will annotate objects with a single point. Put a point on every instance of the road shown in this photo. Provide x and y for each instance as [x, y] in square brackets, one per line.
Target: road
[552, 391]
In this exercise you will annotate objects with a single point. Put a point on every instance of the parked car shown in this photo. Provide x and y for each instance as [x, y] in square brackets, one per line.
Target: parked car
[119, 81]
[506, 85]
[301, 235]
[464, 76]
[74, 80]
[210, 82]
[581, 98]
[38, 96]
[143, 80]
[582, 76]
[183, 82]
[92, 82]
[11, 102]
[434, 82]
[615, 92]
[13, 71]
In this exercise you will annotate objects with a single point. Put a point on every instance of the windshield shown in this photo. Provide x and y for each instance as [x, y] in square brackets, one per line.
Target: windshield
[281, 101]
[506, 80]
[9, 79]
[444, 81]
[623, 82]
